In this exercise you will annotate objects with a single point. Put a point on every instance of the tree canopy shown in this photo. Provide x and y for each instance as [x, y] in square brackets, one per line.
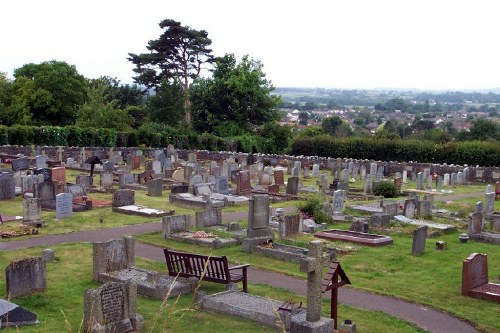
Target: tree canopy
[52, 90]
[178, 54]
[238, 93]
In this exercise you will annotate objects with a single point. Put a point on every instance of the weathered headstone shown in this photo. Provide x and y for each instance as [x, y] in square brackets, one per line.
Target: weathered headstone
[108, 166]
[475, 223]
[20, 163]
[420, 181]
[7, 186]
[489, 200]
[155, 187]
[292, 185]
[123, 198]
[176, 223]
[419, 237]
[243, 182]
[113, 255]
[338, 201]
[46, 172]
[258, 217]
[424, 208]
[279, 177]
[32, 212]
[390, 208]
[409, 208]
[208, 218]
[112, 308]
[41, 161]
[474, 272]
[25, 277]
[64, 205]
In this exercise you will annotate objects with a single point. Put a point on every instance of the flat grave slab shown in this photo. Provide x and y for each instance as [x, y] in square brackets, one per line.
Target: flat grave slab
[366, 209]
[354, 237]
[231, 199]
[9, 218]
[142, 211]
[150, 283]
[420, 223]
[198, 238]
[191, 201]
[244, 305]
[12, 315]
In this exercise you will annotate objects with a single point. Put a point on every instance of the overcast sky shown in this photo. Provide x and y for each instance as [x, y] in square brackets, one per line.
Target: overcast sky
[354, 44]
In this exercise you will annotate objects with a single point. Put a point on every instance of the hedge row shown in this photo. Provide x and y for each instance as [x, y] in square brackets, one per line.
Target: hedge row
[482, 153]
[149, 137]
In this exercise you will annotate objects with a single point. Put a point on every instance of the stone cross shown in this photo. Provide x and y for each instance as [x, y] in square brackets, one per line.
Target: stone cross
[312, 265]
[60, 153]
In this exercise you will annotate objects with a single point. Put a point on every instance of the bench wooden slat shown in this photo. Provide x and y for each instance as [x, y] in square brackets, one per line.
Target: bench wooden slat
[216, 270]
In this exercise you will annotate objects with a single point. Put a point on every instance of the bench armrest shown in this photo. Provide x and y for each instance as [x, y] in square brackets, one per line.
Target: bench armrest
[244, 266]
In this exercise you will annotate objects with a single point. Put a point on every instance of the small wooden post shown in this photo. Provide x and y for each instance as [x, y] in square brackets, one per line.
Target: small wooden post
[331, 282]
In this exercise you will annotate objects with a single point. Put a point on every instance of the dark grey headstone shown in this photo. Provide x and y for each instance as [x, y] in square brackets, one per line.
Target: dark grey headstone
[20, 164]
[419, 237]
[46, 172]
[123, 198]
[7, 186]
[25, 277]
[13, 315]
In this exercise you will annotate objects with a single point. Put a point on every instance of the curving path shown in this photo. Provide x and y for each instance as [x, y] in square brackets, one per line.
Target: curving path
[424, 317]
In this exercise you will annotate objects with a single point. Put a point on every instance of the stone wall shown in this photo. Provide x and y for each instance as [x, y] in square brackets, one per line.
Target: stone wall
[476, 173]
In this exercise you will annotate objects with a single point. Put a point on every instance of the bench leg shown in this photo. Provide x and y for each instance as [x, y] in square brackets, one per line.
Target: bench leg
[245, 289]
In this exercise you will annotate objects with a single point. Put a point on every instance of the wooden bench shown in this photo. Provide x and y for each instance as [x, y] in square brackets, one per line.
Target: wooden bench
[209, 268]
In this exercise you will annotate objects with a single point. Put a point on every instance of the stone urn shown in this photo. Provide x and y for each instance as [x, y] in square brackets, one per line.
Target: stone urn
[463, 238]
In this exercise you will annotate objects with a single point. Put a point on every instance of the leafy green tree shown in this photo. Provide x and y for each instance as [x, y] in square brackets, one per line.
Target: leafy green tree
[99, 113]
[335, 126]
[56, 90]
[178, 54]
[167, 104]
[483, 129]
[238, 92]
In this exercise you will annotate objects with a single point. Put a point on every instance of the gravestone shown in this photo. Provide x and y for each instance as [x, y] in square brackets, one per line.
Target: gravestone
[266, 180]
[123, 198]
[279, 178]
[113, 255]
[474, 272]
[108, 166]
[475, 223]
[77, 191]
[155, 187]
[64, 205]
[292, 185]
[136, 162]
[362, 172]
[221, 185]
[368, 185]
[338, 201]
[46, 172]
[112, 308]
[106, 180]
[390, 208]
[157, 167]
[380, 219]
[7, 186]
[46, 191]
[424, 208]
[398, 182]
[12, 315]
[446, 180]
[25, 277]
[373, 169]
[84, 180]
[409, 208]
[208, 218]
[295, 172]
[420, 181]
[41, 161]
[59, 178]
[312, 321]
[289, 226]
[258, 217]
[315, 170]
[32, 212]
[176, 223]
[489, 206]
[243, 185]
[20, 164]
[419, 237]
[405, 177]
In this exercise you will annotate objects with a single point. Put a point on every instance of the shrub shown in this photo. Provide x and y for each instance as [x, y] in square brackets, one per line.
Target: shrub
[385, 189]
[313, 208]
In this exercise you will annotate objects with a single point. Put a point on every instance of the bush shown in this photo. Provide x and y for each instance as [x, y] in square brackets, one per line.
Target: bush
[313, 208]
[385, 189]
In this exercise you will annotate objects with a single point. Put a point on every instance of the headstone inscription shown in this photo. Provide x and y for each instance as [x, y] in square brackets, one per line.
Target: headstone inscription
[112, 308]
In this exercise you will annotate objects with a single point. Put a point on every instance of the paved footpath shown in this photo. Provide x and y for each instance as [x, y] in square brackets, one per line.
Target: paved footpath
[424, 317]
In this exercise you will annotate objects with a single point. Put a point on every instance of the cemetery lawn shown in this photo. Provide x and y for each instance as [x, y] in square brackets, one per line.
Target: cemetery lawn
[433, 278]
[60, 307]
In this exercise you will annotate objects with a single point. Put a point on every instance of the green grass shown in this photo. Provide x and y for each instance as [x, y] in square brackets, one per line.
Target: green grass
[71, 275]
